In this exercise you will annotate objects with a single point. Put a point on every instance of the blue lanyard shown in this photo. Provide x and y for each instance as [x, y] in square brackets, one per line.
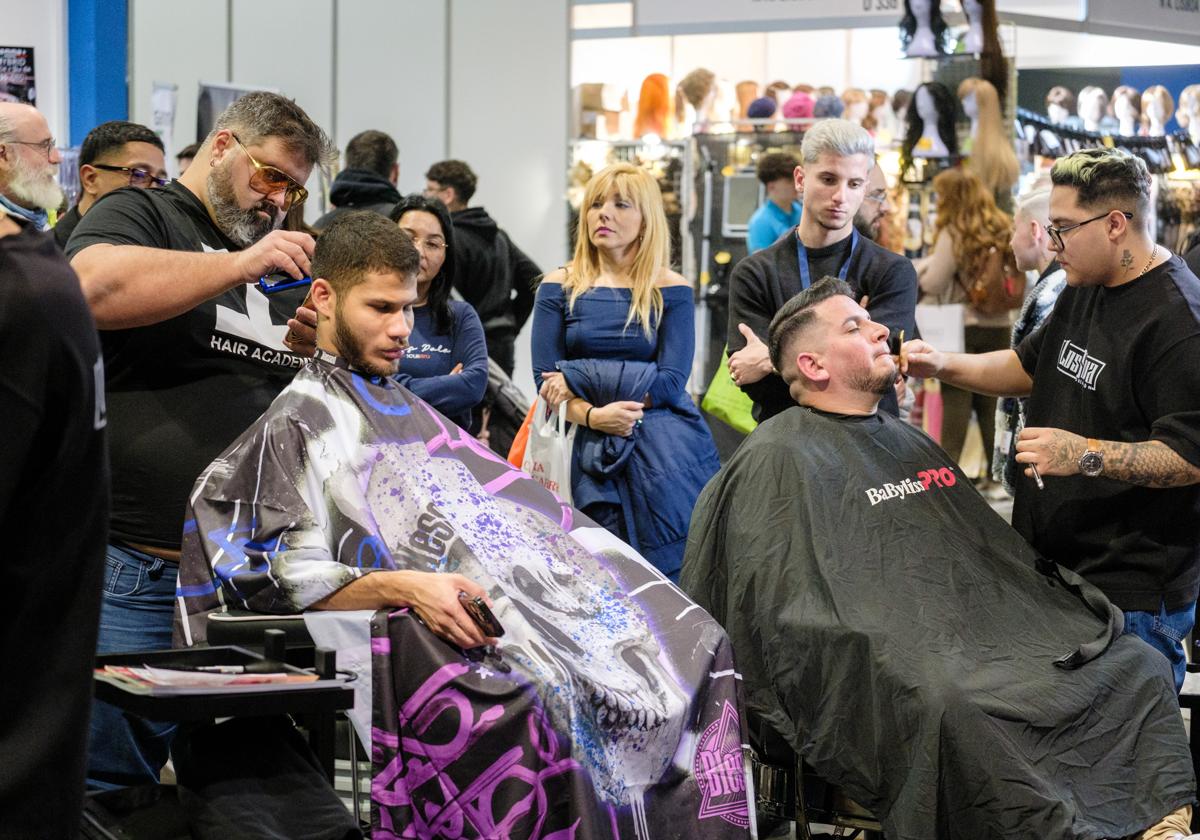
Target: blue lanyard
[802, 255]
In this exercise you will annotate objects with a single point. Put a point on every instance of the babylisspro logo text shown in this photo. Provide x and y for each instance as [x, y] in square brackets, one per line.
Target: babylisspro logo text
[1075, 362]
[926, 480]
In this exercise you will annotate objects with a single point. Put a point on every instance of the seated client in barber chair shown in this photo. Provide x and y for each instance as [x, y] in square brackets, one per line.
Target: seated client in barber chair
[903, 639]
[609, 707]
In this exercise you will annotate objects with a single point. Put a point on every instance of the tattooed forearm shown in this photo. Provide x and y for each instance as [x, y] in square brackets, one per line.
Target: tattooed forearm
[1148, 464]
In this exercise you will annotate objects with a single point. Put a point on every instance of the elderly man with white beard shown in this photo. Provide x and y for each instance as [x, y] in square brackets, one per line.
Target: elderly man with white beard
[28, 164]
[194, 351]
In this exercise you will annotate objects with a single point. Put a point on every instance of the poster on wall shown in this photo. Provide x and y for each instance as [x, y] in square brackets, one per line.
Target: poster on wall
[673, 13]
[214, 98]
[16, 75]
[162, 107]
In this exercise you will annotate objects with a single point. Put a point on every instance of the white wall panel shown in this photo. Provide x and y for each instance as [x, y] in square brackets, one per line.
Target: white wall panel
[508, 119]
[287, 45]
[43, 26]
[183, 42]
[391, 76]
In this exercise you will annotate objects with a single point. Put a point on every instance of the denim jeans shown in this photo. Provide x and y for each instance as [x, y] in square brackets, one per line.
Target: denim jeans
[1165, 631]
[136, 610]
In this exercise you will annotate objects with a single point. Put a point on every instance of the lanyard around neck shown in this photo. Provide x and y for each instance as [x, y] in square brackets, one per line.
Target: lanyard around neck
[802, 255]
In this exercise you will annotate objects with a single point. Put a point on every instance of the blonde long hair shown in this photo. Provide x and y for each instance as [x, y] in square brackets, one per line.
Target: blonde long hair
[992, 156]
[966, 208]
[654, 244]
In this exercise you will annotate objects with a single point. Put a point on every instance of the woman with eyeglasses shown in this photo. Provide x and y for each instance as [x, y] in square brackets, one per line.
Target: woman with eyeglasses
[446, 363]
[969, 229]
[613, 336]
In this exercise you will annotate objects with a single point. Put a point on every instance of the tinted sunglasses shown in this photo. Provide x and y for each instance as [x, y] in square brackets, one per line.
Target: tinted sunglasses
[269, 180]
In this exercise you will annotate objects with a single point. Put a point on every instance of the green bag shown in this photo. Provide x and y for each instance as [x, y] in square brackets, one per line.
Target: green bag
[726, 401]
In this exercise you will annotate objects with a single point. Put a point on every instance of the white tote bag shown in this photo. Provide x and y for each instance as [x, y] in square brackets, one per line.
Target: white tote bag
[548, 453]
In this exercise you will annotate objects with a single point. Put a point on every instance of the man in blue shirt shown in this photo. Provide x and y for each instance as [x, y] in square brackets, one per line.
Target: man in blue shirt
[781, 211]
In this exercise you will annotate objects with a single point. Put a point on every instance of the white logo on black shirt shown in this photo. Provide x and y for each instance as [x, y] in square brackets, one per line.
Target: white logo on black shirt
[1075, 362]
[256, 324]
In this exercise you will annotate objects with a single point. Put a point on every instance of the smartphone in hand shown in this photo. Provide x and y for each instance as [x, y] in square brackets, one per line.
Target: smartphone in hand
[482, 615]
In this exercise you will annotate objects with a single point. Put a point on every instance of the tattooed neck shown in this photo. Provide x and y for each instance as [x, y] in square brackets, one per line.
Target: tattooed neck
[1127, 259]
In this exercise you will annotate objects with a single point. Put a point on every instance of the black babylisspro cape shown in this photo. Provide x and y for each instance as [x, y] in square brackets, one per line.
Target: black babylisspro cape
[899, 634]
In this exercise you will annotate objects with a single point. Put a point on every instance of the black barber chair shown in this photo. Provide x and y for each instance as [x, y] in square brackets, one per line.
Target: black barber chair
[788, 790]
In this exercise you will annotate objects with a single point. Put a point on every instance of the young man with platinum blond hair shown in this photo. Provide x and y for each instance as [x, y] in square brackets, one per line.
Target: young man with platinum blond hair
[833, 177]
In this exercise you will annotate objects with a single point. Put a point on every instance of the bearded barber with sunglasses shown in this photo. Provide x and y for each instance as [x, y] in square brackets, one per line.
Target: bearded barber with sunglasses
[1111, 446]
[194, 353]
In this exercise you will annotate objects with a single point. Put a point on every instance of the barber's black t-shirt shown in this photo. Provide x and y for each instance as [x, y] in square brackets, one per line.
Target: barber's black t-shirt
[1120, 364]
[182, 390]
[54, 521]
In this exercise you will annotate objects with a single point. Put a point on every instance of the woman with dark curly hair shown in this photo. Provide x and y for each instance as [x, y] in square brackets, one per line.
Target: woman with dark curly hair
[970, 227]
[446, 362]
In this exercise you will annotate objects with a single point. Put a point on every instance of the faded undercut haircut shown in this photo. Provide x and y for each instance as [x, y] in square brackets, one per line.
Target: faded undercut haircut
[359, 242]
[1034, 206]
[1106, 179]
[798, 314]
[838, 137]
[259, 115]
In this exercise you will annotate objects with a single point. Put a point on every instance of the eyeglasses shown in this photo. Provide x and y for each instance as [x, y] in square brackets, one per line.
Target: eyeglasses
[137, 177]
[269, 180]
[879, 197]
[433, 244]
[47, 145]
[1056, 233]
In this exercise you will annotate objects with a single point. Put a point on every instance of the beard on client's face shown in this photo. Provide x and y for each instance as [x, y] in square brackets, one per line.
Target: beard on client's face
[34, 185]
[245, 226]
[873, 381]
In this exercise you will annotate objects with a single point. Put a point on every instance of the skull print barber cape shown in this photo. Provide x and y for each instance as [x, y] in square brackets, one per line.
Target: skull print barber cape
[904, 639]
[610, 708]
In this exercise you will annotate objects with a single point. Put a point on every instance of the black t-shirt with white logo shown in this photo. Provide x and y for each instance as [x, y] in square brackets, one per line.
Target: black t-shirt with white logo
[1120, 364]
[181, 390]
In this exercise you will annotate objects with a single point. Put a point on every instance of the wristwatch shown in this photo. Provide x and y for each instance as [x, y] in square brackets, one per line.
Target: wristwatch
[1091, 462]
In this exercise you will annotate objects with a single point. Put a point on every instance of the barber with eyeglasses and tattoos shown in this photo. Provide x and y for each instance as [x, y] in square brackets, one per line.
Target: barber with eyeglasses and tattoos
[1111, 446]
[193, 352]
[114, 154]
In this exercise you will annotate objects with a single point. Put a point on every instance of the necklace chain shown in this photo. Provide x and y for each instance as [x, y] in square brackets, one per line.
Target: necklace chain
[1150, 262]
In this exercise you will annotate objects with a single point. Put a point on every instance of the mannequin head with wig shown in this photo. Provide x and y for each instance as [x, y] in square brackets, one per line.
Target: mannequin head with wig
[654, 107]
[992, 156]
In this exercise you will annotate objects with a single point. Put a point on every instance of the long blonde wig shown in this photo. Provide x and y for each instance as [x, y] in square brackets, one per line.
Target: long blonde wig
[992, 157]
[654, 244]
[966, 208]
